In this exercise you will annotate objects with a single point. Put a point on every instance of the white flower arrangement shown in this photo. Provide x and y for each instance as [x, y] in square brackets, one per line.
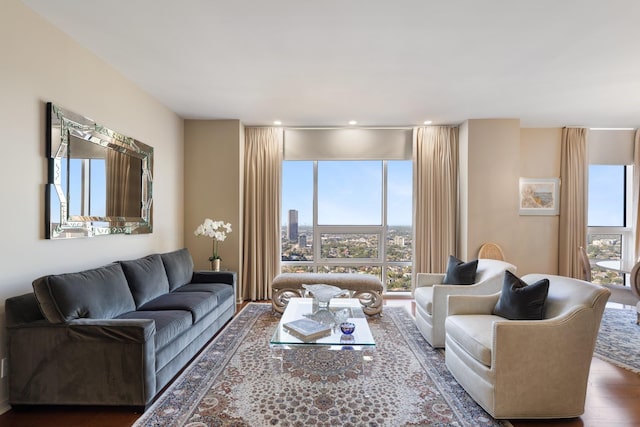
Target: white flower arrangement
[217, 230]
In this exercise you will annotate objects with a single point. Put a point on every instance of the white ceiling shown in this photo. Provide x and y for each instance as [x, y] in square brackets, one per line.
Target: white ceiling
[380, 62]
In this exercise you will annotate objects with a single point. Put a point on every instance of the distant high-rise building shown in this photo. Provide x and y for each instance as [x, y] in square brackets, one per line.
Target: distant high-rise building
[292, 225]
[302, 241]
[398, 240]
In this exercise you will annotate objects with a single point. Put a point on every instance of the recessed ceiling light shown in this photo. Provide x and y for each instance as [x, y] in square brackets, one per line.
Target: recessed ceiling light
[353, 122]
[277, 122]
[427, 122]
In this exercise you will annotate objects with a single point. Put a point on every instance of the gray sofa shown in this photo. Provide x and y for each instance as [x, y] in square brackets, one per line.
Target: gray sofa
[114, 335]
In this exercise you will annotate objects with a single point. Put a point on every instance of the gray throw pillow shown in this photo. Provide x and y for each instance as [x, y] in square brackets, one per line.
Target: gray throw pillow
[519, 301]
[459, 272]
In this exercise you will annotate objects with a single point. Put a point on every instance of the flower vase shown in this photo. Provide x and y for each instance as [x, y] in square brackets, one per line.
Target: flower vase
[215, 264]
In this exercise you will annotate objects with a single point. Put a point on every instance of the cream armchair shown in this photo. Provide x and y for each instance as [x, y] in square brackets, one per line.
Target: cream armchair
[431, 296]
[527, 368]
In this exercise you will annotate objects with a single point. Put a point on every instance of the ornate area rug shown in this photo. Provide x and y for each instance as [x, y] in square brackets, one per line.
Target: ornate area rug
[235, 381]
[619, 339]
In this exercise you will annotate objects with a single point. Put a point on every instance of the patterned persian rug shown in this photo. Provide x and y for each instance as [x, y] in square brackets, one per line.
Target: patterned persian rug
[236, 381]
[619, 339]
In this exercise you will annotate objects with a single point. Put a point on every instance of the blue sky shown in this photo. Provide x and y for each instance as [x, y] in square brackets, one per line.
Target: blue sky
[350, 192]
[606, 195]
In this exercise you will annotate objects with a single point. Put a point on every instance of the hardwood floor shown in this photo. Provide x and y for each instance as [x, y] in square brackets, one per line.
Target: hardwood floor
[613, 400]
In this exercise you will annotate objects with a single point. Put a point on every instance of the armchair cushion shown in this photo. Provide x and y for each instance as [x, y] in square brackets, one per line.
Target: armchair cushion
[459, 272]
[519, 301]
[431, 296]
[474, 333]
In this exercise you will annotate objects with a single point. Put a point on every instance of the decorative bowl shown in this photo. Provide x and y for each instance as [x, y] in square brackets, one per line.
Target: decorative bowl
[347, 328]
[323, 293]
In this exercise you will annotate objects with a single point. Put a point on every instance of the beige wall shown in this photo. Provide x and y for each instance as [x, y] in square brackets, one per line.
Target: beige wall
[214, 157]
[537, 251]
[494, 154]
[39, 64]
[491, 187]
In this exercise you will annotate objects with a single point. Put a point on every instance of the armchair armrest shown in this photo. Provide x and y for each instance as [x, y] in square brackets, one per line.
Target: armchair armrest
[428, 279]
[472, 304]
[522, 347]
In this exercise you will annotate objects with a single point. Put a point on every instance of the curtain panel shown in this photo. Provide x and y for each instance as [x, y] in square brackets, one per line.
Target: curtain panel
[435, 158]
[636, 196]
[261, 225]
[573, 201]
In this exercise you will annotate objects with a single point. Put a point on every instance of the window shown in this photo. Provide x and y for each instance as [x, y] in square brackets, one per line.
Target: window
[609, 237]
[350, 216]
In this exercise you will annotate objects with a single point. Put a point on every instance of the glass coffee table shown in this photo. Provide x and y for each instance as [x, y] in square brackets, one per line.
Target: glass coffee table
[339, 310]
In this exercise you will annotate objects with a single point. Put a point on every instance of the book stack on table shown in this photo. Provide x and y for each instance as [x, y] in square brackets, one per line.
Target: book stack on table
[307, 329]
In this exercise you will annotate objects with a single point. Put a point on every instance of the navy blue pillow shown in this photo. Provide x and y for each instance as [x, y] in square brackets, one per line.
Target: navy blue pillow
[519, 301]
[459, 272]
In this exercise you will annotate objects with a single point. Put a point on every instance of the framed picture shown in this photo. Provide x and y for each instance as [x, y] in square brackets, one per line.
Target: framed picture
[539, 196]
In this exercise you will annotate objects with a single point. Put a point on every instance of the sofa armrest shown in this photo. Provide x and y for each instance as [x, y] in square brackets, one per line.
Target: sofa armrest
[85, 361]
[113, 330]
[471, 304]
[428, 279]
[206, 276]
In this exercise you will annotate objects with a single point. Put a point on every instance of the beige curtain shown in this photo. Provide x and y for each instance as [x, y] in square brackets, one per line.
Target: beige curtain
[117, 166]
[435, 159]
[636, 196]
[261, 243]
[573, 201]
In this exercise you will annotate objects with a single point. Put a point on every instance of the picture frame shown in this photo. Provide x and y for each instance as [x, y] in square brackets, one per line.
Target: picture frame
[539, 196]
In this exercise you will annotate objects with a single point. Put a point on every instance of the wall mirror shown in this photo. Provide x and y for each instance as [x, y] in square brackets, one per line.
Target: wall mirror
[99, 181]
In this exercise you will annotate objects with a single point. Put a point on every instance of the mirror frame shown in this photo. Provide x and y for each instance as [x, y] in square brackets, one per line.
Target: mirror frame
[62, 125]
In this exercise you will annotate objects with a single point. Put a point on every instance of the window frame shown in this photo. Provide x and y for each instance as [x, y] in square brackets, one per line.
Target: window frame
[625, 231]
[380, 262]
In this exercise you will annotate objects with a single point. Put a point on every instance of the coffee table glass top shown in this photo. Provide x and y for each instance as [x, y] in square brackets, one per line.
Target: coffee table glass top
[339, 310]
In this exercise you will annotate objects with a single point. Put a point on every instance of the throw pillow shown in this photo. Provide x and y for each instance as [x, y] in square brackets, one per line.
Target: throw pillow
[459, 272]
[519, 301]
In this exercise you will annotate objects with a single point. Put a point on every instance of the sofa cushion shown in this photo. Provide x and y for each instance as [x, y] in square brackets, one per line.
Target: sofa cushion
[199, 304]
[519, 301]
[147, 278]
[474, 333]
[179, 267]
[459, 272]
[222, 290]
[169, 323]
[99, 293]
